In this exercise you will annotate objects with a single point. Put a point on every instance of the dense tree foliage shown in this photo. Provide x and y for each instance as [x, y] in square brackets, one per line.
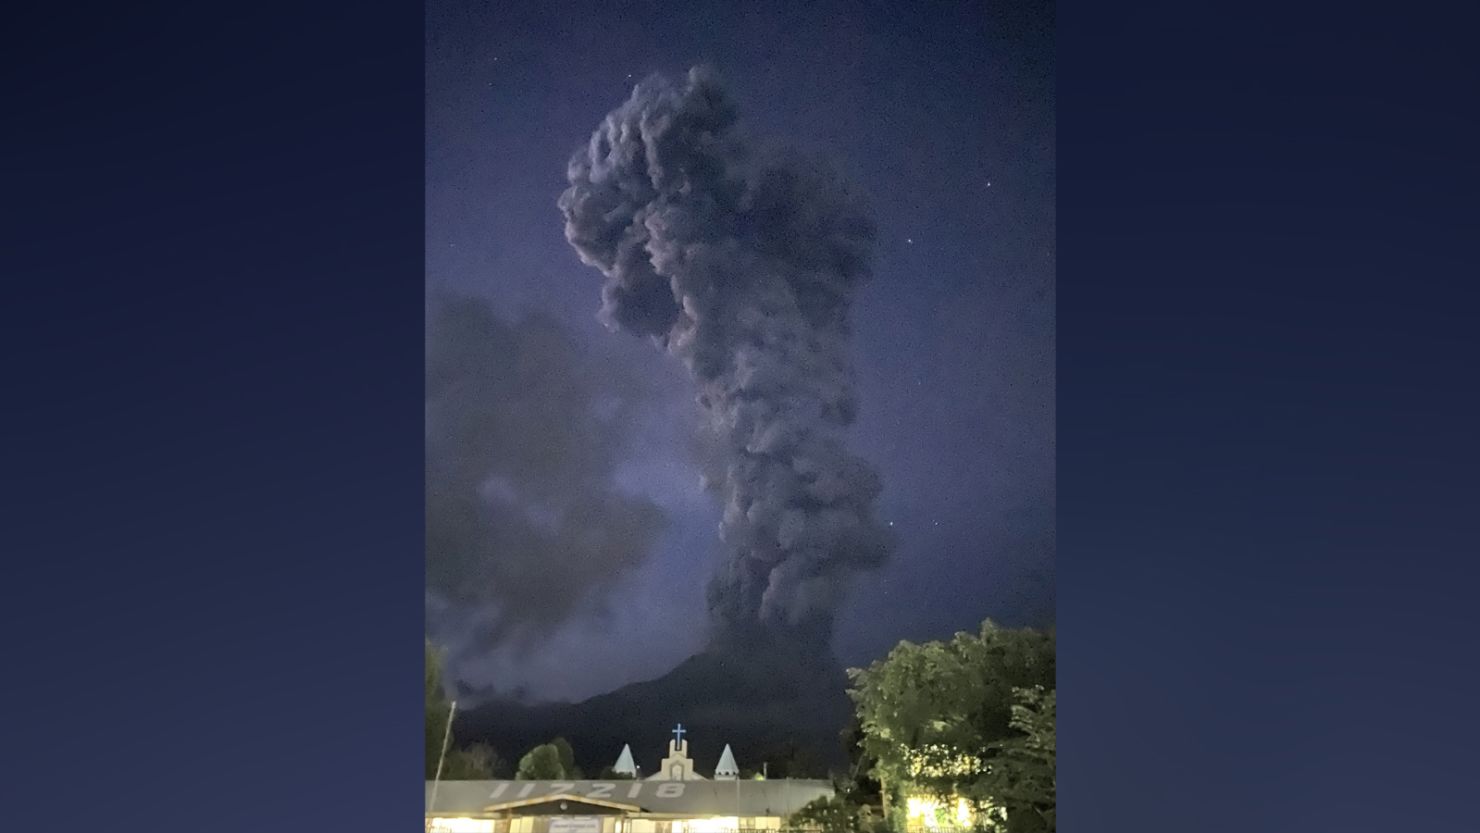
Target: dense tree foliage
[1021, 775]
[472, 763]
[859, 784]
[541, 763]
[938, 719]
[553, 761]
[567, 759]
[835, 814]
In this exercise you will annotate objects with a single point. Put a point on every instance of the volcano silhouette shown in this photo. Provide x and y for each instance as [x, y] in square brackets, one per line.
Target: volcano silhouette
[758, 701]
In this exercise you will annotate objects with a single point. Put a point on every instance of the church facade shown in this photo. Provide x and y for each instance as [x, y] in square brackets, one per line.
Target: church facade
[675, 799]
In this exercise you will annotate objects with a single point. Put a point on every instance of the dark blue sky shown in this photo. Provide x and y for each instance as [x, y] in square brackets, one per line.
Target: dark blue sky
[945, 119]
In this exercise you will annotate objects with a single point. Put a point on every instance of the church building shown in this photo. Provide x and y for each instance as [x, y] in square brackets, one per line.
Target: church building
[675, 799]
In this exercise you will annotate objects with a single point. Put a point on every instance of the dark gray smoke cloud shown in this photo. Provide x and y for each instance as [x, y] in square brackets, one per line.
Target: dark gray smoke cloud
[743, 265]
[525, 526]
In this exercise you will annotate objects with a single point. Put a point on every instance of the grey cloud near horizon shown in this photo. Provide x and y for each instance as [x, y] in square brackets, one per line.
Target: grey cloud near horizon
[527, 527]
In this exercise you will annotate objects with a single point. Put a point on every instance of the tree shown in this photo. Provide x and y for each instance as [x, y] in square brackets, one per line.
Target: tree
[567, 759]
[553, 761]
[476, 762]
[831, 814]
[854, 805]
[1022, 776]
[860, 783]
[541, 763]
[931, 714]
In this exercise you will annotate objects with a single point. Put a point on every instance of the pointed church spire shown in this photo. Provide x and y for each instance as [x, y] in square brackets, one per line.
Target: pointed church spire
[624, 765]
[727, 770]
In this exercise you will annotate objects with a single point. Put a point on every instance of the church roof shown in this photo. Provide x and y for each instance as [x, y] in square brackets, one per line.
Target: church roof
[624, 764]
[743, 798]
[727, 768]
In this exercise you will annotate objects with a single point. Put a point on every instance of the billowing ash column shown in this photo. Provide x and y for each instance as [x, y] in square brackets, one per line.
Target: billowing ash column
[744, 267]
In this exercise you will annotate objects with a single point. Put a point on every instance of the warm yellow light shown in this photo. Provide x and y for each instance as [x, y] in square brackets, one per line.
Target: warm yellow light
[922, 807]
[963, 812]
[932, 812]
[459, 825]
[940, 761]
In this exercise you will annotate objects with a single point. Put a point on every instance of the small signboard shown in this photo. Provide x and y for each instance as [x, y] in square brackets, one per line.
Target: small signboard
[575, 824]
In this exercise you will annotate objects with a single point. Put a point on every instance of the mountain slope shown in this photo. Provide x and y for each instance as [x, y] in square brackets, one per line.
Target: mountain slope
[758, 702]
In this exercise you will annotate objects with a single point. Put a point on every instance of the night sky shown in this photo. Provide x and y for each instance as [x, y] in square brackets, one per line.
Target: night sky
[945, 120]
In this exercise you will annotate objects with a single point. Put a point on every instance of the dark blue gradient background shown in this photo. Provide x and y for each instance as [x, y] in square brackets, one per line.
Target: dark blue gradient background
[212, 339]
[1267, 425]
[212, 467]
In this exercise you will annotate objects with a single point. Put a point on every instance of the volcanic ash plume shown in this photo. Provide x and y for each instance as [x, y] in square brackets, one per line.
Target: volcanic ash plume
[743, 266]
